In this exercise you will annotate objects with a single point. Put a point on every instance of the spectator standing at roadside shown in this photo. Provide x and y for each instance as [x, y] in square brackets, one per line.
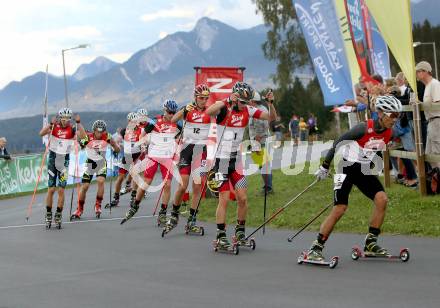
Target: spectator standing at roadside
[3, 152]
[277, 128]
[302, 129]
[294, 129]
[431, 98]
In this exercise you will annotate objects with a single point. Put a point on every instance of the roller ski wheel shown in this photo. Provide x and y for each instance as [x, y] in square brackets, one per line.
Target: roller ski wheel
[192, 229]
[98, 212]
[48, 220]
[358, 253]
[58, 220]
[303, 259]
[250, 243]
[75, 217]
[231, 248]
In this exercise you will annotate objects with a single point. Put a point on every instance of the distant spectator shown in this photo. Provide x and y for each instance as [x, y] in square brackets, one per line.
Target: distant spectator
[260, 133]
[277, 128]
[3, 152]
[313, 127]
[294, 129]
[302, 129]
[430, 98]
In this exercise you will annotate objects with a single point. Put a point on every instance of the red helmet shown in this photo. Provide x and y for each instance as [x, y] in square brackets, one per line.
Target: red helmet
[201, 90]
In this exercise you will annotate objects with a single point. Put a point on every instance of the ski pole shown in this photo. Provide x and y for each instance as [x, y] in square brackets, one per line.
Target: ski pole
[29, 211]
[75, 171]
[111, 179]
[281, 209]
[290, 239]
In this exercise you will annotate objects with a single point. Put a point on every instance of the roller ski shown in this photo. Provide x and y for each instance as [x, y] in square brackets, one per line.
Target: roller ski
[162, 218]
[77, 214]
[58, 219]
[113, 203]
[48, 220]
[171, 224]
[240, 239]
[222, 244]
[315, 257]
[373, 250]
[192, 229]
[131, 212]
[98, 210]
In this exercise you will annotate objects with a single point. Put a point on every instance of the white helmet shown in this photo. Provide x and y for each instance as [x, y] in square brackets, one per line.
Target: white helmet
[99, 125]
[142, 112]
[388, 103]
[65, 113]
[132, 116]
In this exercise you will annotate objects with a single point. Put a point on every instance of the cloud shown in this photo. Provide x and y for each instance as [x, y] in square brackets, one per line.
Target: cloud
[171, 13]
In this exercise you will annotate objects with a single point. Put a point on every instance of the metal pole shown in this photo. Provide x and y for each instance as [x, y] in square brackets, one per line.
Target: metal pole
[435, 60]
[65, 80]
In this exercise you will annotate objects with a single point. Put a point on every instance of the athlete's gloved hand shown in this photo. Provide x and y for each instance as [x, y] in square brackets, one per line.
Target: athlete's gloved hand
[190, 107]
[322, 173]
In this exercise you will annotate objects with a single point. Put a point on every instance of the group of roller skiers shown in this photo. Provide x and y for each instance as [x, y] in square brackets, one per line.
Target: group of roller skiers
[165, 143]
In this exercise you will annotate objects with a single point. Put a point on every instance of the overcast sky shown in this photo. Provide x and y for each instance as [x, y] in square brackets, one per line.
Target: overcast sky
[33, 32]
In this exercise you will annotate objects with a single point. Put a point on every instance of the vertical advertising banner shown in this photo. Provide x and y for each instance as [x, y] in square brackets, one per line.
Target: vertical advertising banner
[359, 35]
[380, 55]
[320, 26]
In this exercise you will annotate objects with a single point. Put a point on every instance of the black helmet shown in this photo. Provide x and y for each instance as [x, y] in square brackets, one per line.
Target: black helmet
[245, 92]
[99, 125]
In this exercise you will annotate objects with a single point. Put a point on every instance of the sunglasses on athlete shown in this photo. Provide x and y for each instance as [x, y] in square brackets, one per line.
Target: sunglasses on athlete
[392, 115]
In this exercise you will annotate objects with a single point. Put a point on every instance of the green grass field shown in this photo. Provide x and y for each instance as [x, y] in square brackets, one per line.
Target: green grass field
[407, 212]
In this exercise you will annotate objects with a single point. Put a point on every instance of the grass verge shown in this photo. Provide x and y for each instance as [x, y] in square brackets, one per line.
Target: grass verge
[407, 213]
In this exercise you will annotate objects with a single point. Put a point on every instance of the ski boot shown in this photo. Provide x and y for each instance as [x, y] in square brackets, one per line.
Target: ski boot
[133, 209]
[162, 218]
[192, 228]
[240, 238]
[315, 257]
[171, 223]
[58, 219]
[372, 249]
[222, 243]
[98, 210]
[132, 198]
[315, 252]
[48, 220]
[77, 214]
[126, 189]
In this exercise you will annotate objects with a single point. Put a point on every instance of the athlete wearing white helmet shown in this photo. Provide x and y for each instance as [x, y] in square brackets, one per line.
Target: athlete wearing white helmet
[62, 135]
[360, 146]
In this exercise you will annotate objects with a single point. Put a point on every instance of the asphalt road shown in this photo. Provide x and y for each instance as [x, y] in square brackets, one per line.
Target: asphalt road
[103, 264]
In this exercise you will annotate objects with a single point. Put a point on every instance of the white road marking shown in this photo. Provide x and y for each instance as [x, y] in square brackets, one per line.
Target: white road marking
[72, 222]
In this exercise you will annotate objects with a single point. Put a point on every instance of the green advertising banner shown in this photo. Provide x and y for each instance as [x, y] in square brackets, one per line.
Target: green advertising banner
[21, 173]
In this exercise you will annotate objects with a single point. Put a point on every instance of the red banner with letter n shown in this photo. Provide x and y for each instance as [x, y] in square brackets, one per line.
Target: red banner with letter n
[220, 80]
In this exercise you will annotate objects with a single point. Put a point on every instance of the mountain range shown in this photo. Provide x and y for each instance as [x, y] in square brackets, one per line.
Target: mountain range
[163, 70]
